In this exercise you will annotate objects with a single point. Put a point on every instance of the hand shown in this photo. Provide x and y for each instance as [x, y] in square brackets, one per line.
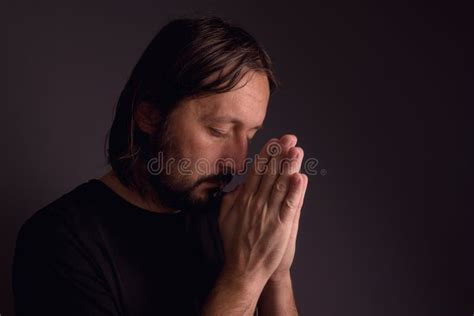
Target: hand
[257, 219]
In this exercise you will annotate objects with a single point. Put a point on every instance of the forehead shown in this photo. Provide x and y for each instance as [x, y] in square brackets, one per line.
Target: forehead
[247, 102]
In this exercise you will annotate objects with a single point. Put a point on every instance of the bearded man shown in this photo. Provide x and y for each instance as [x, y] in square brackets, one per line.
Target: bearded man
[157, 234]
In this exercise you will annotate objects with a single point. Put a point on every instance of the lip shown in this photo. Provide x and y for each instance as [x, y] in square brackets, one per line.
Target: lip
[218, 184]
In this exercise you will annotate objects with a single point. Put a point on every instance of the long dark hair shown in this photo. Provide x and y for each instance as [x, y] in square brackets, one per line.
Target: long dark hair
[175, 66]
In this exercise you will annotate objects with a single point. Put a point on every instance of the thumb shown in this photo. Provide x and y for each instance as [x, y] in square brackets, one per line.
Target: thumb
[228, 200]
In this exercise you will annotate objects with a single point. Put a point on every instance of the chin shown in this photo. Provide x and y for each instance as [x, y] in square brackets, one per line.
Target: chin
[205, 198]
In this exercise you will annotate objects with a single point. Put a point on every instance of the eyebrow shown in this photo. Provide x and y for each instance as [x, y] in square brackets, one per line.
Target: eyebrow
[227, 119]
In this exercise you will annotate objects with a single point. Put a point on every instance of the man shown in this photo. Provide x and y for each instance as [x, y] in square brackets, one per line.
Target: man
[157, 235]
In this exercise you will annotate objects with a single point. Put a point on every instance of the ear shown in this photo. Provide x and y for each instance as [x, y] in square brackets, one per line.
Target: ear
[146, 117]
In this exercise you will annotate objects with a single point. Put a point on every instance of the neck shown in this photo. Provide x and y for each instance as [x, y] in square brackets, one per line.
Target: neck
[111, 180]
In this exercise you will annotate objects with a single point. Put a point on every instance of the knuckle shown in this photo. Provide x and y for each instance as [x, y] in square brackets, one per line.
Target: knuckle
[280, 186]
[259, 204]
[290, 203]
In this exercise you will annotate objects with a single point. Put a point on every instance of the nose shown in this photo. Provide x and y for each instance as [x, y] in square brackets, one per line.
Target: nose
[236, 154]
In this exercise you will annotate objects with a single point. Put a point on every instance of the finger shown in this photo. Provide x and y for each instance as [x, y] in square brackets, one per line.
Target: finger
[296, 220]
[260, 162]
[288, 141]
[274, 166]
[305, 186]
[228, 200]
[289, 165]
[293, 163]
[277, 167]
[286, 204]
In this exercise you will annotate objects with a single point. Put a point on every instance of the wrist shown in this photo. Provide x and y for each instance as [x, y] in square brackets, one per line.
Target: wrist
[277, 296]
[251, 284]
[232, 294]
[279, 277]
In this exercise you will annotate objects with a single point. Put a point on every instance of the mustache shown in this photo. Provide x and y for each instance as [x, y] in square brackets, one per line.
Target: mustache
[224, 178]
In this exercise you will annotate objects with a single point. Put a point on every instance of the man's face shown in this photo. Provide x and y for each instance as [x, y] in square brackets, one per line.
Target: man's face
[206, 143]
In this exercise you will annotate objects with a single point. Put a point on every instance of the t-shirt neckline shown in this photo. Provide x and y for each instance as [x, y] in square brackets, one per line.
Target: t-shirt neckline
[123, 201]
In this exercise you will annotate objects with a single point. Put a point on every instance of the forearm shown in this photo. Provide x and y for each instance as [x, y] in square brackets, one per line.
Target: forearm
[277, 298]
[232, 296]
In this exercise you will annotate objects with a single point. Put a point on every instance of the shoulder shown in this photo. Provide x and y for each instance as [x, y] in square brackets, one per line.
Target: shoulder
[59, 260]
[76, 212]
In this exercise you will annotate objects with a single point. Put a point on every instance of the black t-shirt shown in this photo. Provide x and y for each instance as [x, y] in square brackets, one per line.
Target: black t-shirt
[91, 252]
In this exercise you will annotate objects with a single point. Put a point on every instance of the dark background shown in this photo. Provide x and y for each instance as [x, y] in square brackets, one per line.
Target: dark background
[381, 95]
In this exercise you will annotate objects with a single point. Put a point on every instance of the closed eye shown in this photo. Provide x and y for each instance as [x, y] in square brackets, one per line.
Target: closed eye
[216, 132]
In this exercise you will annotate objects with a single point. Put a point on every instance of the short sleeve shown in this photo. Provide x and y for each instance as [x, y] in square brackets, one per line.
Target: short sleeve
[54, 274]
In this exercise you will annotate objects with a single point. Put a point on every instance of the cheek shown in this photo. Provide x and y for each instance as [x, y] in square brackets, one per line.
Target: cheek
[203, 152]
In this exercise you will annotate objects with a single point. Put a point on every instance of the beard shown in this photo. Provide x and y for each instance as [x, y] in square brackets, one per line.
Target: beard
[173, 189]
